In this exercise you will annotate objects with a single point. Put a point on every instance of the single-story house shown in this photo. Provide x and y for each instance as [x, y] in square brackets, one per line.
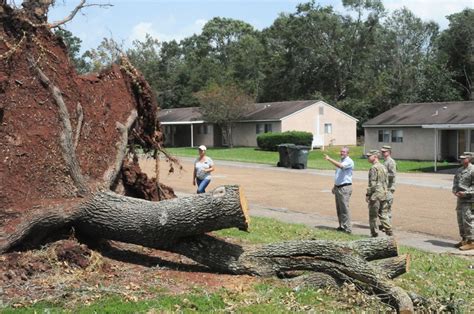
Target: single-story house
[424, 131]
[329, 125]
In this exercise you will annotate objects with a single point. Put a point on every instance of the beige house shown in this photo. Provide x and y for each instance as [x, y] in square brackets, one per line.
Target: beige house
[424, 131]
[329, 125]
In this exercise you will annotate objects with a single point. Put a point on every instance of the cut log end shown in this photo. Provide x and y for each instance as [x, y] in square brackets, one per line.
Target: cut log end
[245, 209]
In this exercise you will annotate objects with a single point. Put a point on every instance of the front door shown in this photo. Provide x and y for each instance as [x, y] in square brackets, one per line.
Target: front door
[461, 141]
[449, 145]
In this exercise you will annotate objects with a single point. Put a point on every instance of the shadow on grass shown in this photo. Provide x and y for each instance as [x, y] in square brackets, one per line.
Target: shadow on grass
[126, 255]
[451, 169]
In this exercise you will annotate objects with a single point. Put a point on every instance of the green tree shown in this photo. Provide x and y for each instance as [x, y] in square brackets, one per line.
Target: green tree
[456, 46]
[224, 106]
[317, 50]
[107, 53]
[73, 45]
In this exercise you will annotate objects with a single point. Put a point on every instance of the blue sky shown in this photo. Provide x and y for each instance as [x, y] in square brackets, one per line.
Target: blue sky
[164, 19]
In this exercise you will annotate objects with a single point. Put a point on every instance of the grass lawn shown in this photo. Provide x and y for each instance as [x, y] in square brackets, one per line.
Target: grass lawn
[315, 158]
[444, 280]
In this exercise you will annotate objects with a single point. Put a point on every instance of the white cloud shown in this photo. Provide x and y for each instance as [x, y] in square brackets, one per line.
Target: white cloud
[140, 30]
[430, 10]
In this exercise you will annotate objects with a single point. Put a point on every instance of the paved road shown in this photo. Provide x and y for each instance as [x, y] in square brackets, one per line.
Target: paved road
[423, 211]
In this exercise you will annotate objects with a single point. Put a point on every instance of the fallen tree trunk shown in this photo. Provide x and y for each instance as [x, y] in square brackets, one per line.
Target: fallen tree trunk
[110, 216]
[344, 262]
[178, 226]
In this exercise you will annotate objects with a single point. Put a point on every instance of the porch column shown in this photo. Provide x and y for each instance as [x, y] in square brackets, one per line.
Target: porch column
[435, 149]
[192, 135]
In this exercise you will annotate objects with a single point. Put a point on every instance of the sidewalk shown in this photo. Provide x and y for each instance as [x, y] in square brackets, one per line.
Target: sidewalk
[424, 215]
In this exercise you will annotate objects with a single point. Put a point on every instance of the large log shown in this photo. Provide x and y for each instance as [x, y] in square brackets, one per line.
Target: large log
[341, 261]
[110, 216]
[179, 226]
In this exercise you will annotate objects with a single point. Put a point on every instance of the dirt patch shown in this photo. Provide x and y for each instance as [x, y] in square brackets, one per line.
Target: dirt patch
[72, 274]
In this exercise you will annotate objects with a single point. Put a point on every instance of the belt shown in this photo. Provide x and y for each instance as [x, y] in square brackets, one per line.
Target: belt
[345, 184]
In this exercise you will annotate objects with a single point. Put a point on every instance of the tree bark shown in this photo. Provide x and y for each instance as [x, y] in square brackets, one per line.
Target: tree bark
[110, 216]
[339, 260]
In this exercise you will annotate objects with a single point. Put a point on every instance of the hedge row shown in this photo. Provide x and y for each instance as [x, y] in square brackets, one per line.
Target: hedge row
[269, 141]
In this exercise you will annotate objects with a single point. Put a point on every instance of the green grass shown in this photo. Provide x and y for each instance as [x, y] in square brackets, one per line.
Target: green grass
[446, 281]
[315, 159]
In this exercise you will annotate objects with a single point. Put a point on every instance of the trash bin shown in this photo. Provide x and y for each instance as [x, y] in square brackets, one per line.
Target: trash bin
[299, 156]
[284, 151]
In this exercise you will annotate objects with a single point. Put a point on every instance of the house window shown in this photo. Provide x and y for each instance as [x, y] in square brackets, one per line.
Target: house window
[321, 110]
[263, 128]
[268, 128]
[327, 128]
[397, 136]
[202, 129]
[167, 129]
[384, 136]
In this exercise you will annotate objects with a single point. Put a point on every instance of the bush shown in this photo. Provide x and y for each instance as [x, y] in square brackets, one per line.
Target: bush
[269, 141]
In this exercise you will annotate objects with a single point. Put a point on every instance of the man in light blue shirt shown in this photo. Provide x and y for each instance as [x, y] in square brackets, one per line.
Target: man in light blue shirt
[342, 189]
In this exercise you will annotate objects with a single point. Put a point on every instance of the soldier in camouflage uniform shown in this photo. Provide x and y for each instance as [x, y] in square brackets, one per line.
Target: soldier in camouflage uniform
[377, 195]
[463, 189]
[391, 166]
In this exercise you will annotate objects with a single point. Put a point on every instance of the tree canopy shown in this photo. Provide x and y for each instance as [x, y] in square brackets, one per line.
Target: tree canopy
[363, 61]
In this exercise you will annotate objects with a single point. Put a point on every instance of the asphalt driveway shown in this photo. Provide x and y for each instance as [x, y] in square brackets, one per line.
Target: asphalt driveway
[423, 202]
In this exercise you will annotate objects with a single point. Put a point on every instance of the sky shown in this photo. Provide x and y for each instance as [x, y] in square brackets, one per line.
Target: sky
[129, 20]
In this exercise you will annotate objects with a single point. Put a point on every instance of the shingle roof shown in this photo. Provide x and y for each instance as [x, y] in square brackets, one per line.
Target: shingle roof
[259, 112]
[276, 110]
[461, 112]
[180, 114]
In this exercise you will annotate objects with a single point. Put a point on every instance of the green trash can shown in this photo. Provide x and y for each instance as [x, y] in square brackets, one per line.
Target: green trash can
[299, 156]
[284, 152]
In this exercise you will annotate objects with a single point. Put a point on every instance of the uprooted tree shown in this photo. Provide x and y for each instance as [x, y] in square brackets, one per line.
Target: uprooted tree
[68, 161]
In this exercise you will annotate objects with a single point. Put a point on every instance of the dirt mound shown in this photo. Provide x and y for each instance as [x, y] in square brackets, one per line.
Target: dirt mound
[32, 165]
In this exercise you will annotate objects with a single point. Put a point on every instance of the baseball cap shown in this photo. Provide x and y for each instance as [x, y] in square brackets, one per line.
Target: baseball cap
[466, 155]
[386, 148]
[373, 152]
[202, 147]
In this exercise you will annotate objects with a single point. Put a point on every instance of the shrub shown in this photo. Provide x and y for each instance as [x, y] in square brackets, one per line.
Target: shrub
[269, 141]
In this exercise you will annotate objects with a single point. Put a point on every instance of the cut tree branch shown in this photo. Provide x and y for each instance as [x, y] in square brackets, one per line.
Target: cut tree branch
[79, 7]
[66, 140]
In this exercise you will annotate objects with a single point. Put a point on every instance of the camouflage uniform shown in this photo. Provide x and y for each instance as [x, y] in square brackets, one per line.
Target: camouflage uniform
[377, 198]
[391, 166]
[464, 182]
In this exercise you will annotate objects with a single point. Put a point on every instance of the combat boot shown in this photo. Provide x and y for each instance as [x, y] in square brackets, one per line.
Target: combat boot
[460, 243]
[469, 245]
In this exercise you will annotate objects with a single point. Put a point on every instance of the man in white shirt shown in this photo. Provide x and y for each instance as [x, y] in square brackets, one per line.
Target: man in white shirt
[342, 189]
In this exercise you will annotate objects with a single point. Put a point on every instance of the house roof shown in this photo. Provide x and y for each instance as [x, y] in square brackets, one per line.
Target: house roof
[177, 115]
[270, 111]
[419, 114]
[276, 110]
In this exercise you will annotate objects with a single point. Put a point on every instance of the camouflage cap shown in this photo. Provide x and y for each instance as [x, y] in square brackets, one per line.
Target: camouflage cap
[386, 148]
[372, 152]
[467, 155]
